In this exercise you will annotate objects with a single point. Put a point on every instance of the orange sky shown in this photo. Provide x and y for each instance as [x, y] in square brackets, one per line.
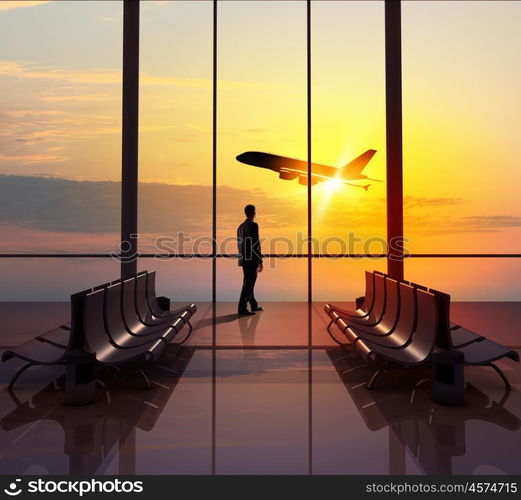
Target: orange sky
[61, 103]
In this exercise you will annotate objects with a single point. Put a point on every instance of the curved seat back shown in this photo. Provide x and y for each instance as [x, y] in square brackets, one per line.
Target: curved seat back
[96, 338]
[424, 335]
[417, 285]
[367, 306]
[77, 336]
[444, 336]
[141, 297]
[379, 299]
[128, 305]
[407, 320]
[151, 293]
[114, 323]
[392, 304]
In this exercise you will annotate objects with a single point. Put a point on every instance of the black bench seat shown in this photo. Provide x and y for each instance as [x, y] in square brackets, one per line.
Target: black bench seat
[408, 324]
[106, 322]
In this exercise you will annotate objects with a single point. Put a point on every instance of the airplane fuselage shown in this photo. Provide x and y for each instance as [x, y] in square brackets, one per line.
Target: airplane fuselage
[283, 165]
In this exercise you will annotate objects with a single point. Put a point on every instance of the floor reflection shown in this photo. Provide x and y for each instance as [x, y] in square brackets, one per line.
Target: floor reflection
[90, 433]
[437, 437]
[260, 401]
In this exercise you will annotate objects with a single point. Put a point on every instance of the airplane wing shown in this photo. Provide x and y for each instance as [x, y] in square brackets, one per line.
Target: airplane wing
[353, 169]
[364, 186]
[316, 178]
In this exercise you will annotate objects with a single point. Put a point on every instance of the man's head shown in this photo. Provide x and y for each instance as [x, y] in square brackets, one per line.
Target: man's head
[249, 210]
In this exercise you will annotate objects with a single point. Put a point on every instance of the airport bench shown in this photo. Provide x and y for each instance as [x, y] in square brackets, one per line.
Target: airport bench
[106, 322]
[403, 323]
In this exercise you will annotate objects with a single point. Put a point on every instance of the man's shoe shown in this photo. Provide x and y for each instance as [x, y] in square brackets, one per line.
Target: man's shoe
[245, 313]
[258, 308]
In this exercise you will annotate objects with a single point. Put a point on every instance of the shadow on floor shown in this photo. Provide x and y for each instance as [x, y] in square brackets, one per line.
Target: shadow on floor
[218, 320]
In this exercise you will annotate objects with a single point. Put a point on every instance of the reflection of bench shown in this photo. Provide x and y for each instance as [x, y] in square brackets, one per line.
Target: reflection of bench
[435, 434]
[120, 322]
[402, 323]
[91, 434]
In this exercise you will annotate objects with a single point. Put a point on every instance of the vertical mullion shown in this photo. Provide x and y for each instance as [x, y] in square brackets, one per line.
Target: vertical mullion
[393, 98]
[309, 186]
[129, 146]
[214, 238]
[214, 155]
[310, 243]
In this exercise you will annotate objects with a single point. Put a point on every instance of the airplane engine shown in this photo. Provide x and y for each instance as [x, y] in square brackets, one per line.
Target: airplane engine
[304, 181]
[287, 176]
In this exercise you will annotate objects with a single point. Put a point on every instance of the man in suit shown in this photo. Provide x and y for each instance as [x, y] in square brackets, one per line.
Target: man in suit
[250, 259]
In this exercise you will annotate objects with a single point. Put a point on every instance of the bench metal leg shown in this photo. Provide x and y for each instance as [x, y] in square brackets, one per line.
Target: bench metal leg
[501, 374]
[449, 378]
[333, 336]
[17, 374]
[336, 340]
[186, 338]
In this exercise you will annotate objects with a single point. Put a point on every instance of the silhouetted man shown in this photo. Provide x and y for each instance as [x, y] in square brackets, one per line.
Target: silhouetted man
[250, 259]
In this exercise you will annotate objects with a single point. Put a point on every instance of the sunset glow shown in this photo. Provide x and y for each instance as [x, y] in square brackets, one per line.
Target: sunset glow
[61, 120]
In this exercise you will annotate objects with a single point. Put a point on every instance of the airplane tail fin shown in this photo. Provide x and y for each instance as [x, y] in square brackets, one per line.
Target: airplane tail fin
[354, 168]
[366, 187]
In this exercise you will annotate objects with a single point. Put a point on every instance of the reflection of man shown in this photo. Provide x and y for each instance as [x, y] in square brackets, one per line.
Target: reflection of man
[248, 327]
[250, 260]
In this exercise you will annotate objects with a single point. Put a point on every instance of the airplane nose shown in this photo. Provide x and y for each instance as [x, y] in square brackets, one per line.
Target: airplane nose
[242, 157]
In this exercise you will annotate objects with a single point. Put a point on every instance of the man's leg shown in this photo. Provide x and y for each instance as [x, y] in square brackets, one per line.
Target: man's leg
[247, 287]
[243, 300]
[251, 299]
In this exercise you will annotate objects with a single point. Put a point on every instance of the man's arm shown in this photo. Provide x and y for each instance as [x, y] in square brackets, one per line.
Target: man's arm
[257, 251]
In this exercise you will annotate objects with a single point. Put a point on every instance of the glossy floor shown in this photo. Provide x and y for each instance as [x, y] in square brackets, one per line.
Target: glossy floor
[261, 402]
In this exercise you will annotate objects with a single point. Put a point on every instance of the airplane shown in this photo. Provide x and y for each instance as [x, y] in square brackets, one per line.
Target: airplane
[290, 168]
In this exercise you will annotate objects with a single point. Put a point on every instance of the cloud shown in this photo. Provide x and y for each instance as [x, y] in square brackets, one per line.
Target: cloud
[18, 238]
[26, 126]
[39, 158]
[34, 113]
[80, 98]
[29, 70]
[105, 18]
[34, 125]
[10, 5]
[24, 140]
[410, 202]
[26, 70]
[58, 205]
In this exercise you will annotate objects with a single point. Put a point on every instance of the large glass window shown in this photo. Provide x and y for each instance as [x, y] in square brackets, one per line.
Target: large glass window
[175, 155]
[348, 118]
[60, 101]
[461, 116]
[60, 192]
[61, 112]
[262, 107]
